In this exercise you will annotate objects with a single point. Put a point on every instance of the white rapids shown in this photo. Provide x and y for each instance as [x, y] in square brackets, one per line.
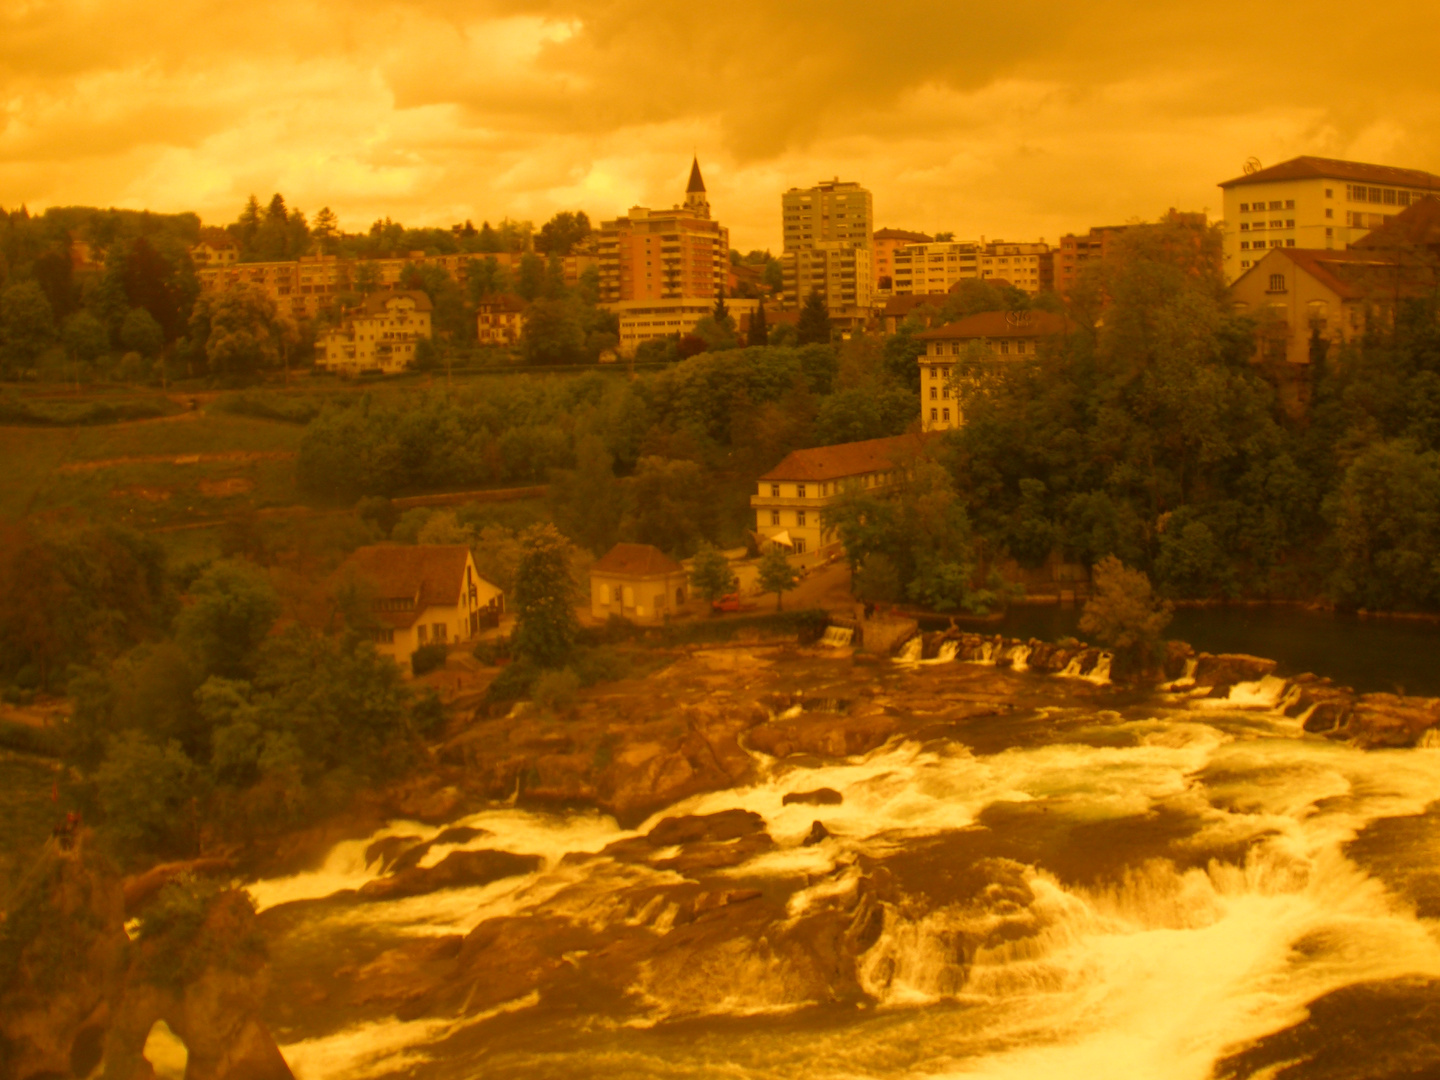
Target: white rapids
[1154, 974]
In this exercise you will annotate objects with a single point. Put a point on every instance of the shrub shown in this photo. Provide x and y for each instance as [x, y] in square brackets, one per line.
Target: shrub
[45, 742]
[427, 715]
[284, 407]
[513, 682]
[428, 658]
[556, 689]
[491, 651]
[600, 665]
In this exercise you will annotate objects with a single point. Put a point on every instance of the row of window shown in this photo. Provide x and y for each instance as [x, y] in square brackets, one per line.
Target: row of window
[799, 518]
[1387, 196]
[936, 415]
[1259, 245]
[1259, 226]
[1273, 204]
[438, 633]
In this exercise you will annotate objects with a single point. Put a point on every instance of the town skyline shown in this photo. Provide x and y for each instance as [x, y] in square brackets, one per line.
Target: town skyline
[1020, 126]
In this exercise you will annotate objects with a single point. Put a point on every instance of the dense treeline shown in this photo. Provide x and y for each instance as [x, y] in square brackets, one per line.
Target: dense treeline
[1151, 434]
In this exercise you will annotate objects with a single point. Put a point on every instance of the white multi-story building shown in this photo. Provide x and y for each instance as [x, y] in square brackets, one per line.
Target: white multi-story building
[649, 320]
[380, 335]
[939, 266]
[836, 269]
[828, 232]
[1315, 203]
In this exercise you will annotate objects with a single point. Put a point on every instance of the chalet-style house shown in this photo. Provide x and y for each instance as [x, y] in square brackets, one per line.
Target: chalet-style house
[789, 499]
[378, 336]
[1003, 335]
[637, 581]
[426, 594]
[499, 319]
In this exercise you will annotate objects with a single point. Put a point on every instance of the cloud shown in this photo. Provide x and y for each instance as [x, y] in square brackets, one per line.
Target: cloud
[1021, 120]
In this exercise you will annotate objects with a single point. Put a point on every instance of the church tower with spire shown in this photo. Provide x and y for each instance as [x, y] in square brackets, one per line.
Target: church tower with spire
[695, 200]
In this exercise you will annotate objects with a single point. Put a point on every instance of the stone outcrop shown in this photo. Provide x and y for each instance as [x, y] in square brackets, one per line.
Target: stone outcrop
[76, 994]
[1226, 669]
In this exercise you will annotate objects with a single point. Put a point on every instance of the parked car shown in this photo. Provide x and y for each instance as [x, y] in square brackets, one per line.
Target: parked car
[732, 602]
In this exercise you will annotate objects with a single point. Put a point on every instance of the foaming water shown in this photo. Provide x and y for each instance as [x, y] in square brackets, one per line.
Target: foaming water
[1151, 971]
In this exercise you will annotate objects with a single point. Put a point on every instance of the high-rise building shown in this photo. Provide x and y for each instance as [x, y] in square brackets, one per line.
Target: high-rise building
[883, 246]
[828, 231]
[675, 254]
[1312, 202]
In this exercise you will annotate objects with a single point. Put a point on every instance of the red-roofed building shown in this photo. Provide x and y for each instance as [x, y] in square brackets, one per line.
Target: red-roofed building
[1004, 335]
[424, 594]
[1305, 301]
[1313, 202]
[637, 581]
[884, 245]
[789, 499]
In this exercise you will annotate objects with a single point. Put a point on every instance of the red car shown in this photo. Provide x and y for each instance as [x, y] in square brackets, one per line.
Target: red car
[731, 603]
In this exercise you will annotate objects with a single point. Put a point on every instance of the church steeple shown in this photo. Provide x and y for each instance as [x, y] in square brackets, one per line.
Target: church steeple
[695, 200]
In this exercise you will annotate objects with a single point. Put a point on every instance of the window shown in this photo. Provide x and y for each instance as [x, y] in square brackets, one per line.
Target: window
[1004, 348]
[385, 636]
[946, 392]
[1329, 211]
[438, 632]
[1275, 204]
[1329, 193]
[1329, 233]
[1289, 223]
[1390, 196]
[774, 517]
[1244, 245]
[1244, 226]
[1020, 348]
[947, 416]
[799, 517]
[420, 635]
[934, 372]
[1377, 195]
[934, 414]
[1289, 243]
[1403, 198]
[799, 545]
[774, 491]
[1277, 283]
[1274, 243]
[1244, 263]
[934, 393]
[800, 491]
[1277, 223]
[1289, 204]
[1244, 209]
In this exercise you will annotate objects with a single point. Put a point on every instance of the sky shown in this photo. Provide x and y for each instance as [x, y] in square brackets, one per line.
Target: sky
[1022, 120]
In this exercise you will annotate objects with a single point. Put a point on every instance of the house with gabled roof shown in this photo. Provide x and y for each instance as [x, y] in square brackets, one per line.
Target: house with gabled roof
[381, 335]
[422, 594]
[637, 581]
[1002, 336]
[790, 499]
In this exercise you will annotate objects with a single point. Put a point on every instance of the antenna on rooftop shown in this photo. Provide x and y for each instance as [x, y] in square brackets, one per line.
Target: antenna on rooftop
[1252, 166]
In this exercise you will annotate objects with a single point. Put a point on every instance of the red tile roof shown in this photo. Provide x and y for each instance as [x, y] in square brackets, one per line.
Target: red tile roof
[845, 459]
[1317, 168]
[1351, 275]
[425, 575]
[999, 324]
[900, 306]
[1417, 224]
[375, 303]
[904, 234]
[636, 560]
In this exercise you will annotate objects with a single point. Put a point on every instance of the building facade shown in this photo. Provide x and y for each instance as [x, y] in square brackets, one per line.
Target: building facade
[990, 337]
[675, 254]
[1077, 251]
[939, 266]
[651, 320]
[884, 243]
[638, 582]
[1314, 203]
[499, 319]
[790, 499]
[422, 594]
[828, 232]
[379, 336]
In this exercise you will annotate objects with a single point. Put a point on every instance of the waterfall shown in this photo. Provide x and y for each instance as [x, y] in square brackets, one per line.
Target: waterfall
[1267, 693]
[838, 637]
[911, 651]
[1429, 739]
[1100, 673]
[1019, 657]
[1187, 678]
[1072, 669]
[947, 653]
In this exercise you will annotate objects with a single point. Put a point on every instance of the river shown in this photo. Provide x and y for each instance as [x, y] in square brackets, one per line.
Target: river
[1102, 884]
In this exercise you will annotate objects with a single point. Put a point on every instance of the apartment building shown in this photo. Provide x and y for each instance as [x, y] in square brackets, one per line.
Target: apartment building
[1077, 251]
[379, 336]
[937, 267]
[884, 243]
[676, 254]
[649, 320]
[828, 232]
[790, 499]
[1322, 204]
[836, 269]
[992, 336]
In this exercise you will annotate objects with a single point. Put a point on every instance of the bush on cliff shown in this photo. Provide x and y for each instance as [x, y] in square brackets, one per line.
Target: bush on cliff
[1125, 614]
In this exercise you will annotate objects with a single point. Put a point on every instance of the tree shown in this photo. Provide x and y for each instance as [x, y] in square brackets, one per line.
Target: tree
[562, 232]
[1124, 613]
[587, 501]
[27, 325]
[326, 230]
[553, 334]
[776, 573]
[149, 281]
[241, 330]
[145, 793]
[710, 574]
[141, 333]
[669, 503]
[721, 312]
[813, 327]
[543, 599]
[233, 606]
[85, 338]
[530, 280]
[759, 333]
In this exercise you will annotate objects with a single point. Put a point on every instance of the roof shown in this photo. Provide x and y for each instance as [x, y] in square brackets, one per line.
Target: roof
[1418, 224]
[216, 237]
[904, 305]
[500, 302]
[1318, 168]
[844, 459]
[999, 324]
[696, 183]
[636, 560]
[376, 302]
[904, 234]
[430, 575]
[1351, 275]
